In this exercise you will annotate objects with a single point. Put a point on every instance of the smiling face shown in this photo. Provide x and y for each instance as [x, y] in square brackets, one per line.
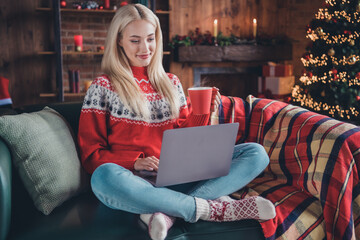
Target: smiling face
[138, 42]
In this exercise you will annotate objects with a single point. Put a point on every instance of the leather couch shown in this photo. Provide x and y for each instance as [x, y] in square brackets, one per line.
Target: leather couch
[83, 216]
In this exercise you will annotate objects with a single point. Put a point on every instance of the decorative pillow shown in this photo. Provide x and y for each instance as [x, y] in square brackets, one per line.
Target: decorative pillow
[44, 153]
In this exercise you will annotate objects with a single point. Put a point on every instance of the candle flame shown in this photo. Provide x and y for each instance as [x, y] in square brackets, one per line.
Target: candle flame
[254, 20]
[215, 21]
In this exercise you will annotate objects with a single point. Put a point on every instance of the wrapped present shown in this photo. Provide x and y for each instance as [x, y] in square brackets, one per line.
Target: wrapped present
[277, 70]
[275, 85]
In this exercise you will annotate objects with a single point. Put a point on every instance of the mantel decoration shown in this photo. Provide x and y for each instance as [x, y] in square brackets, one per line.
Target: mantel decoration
[93, 5]
[198, 38]
[205, 47]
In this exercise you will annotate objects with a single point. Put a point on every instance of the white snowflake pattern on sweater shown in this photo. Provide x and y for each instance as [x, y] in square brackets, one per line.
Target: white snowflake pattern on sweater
[102, 97]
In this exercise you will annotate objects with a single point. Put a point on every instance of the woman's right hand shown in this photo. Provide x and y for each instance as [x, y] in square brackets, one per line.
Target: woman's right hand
[148, 164]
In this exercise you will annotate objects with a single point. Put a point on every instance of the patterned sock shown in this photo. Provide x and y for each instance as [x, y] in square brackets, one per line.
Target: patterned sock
[227, 209]
[158, 224]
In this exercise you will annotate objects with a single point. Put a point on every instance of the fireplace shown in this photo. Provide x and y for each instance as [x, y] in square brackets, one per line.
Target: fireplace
[233, 69]
[231, 81]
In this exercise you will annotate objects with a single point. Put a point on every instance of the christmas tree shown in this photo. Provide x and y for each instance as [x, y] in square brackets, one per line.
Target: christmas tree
[330, 83]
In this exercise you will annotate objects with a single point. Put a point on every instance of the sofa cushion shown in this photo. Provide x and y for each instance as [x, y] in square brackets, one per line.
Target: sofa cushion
[44, 153]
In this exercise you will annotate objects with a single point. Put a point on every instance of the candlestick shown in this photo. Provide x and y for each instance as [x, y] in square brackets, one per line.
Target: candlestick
[254, 28]
[215, 28]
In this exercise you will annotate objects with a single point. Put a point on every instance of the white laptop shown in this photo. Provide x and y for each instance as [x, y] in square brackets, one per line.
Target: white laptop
[193, 154]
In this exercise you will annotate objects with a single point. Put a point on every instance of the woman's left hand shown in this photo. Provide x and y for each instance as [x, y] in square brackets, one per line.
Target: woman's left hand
[215, 99]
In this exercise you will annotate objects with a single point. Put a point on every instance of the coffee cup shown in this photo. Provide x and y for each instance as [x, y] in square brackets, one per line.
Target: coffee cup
[200, 98]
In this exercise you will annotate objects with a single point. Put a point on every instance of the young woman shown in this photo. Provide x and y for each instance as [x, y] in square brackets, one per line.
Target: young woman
[124, 115]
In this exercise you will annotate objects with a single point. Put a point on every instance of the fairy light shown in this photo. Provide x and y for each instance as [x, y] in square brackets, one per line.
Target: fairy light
[333, 110]
[331, 2]
[326, 79]
[323, 14]
[345, 61]
[318, 61]
[333, 39]
[322, 61]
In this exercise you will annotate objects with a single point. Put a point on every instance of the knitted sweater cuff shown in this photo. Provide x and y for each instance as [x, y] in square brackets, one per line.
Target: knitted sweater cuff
[200, 120]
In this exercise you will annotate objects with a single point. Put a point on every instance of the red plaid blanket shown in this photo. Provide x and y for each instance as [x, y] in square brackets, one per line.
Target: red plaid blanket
[312, 178]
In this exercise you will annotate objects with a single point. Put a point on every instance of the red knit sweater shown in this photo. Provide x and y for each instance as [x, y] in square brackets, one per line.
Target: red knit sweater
[110, 132]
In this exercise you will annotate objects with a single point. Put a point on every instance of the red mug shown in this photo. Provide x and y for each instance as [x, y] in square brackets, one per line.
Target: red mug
[200, 98]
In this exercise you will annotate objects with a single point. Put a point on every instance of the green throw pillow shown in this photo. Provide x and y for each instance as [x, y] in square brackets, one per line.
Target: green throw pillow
[44, 153]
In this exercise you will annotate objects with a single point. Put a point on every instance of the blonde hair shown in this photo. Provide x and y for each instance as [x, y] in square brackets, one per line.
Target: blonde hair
[116, 65]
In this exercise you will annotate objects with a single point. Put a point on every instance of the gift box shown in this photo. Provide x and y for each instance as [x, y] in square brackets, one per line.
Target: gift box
[277, 70]
[276, 85]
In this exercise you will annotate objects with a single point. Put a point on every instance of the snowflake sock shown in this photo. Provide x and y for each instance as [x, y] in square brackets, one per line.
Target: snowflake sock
[227, 209]
[158, 224]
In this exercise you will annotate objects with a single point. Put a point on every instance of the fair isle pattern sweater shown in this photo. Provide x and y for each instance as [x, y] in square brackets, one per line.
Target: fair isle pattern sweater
[109, 132]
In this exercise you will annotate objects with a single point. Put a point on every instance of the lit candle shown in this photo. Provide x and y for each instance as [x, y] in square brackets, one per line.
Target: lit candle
[107, 4]
[215, 27]
[254, 27]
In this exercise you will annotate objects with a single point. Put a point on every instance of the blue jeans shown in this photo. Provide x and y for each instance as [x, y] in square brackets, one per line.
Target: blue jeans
[118, 188]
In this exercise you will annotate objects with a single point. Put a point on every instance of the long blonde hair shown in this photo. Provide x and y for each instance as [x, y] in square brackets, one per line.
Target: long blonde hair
[116, 65]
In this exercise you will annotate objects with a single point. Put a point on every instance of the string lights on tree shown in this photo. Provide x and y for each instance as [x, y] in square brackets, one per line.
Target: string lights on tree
[330, 83]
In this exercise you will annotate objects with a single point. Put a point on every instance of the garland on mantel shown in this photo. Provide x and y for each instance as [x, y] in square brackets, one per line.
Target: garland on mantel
[197, 38]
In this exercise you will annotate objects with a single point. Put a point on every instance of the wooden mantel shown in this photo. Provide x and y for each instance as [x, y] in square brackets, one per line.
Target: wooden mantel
[234, 53]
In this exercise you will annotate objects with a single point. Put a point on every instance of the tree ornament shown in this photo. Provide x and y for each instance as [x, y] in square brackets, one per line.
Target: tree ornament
[352, 43]
[63, 3]
[334, 72]
[331, 52]
[357, 98]
[351, 60]
[319, 31]
[310, 74]
[306, 56]
[323, 93]
[358, 75]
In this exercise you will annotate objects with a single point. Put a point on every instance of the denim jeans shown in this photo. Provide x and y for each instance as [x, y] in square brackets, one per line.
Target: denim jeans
[118, 188]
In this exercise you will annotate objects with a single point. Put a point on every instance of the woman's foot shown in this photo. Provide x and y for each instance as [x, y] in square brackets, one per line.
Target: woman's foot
[227, 209]
[158, 224]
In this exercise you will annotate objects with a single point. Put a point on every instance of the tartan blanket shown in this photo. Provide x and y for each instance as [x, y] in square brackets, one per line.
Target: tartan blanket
[313, 175]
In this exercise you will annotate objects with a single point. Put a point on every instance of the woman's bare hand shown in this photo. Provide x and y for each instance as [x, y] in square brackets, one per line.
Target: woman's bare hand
[215, 99]
[148, 163]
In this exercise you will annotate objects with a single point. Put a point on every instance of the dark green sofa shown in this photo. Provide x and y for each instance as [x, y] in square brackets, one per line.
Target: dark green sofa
[83, 216]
